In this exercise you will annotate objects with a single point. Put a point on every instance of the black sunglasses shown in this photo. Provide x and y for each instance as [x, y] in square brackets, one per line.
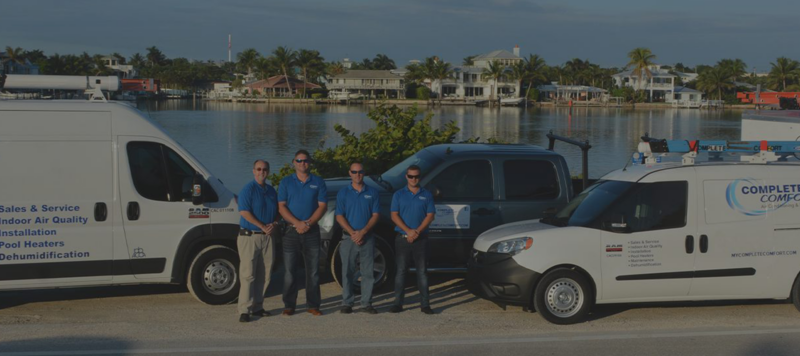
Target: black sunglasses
[412, 176]
[303, 161]
[357, 172]
[262, 169]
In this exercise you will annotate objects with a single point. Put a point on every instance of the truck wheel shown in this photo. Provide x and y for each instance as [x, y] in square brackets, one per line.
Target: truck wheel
[563, 297]
[383, 267]
[796, 293]
[213, 276]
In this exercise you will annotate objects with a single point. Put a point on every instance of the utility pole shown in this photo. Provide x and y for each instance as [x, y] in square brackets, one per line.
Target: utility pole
[229, 48]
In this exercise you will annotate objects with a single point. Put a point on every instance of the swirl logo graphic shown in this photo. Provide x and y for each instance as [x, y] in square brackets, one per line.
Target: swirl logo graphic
[767, 198]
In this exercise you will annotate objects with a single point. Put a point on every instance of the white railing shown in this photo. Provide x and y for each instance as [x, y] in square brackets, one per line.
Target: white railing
[366, 86]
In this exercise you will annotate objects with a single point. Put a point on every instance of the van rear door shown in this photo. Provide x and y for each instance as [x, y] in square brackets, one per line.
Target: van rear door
[56, 203]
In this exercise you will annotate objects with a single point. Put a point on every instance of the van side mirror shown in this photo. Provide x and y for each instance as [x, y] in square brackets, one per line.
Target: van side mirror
[197, 189]
[437, 193]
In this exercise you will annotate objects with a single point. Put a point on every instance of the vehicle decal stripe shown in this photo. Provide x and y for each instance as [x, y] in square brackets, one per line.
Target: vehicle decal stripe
[733, 272]
[23, 271]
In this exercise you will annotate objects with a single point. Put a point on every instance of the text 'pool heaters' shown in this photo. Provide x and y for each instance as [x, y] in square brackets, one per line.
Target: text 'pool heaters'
[651, 150]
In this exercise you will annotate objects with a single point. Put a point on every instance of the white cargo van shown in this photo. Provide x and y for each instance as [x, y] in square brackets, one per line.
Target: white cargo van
[656, 231]
[95, 193]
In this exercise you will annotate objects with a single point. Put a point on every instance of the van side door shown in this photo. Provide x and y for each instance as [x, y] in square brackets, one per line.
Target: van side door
[466, 206]
[57, 209]
[156, 200]
[735, 233]
[648, 239]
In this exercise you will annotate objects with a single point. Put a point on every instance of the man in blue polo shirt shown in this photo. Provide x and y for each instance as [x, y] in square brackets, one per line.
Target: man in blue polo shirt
[302, 200]
[258, 206]
[357, 212]
[412, 211]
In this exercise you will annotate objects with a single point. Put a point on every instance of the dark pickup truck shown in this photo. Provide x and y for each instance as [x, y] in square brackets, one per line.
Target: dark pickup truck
[475, 186]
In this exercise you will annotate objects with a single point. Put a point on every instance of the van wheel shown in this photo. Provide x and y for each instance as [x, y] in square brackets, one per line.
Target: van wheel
[383, 267]
[796, 293]
[213, 276]
[563, 297]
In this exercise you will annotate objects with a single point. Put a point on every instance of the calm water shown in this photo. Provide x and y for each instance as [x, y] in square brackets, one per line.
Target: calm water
[227, 137]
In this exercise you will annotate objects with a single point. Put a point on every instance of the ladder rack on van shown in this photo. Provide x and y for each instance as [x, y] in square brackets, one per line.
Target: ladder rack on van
[651, 150]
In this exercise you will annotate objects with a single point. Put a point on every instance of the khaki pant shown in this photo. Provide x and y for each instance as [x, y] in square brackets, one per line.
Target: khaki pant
[255, 267]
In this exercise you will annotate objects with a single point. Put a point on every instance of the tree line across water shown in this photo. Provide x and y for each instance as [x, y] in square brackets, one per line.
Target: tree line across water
[718, 81]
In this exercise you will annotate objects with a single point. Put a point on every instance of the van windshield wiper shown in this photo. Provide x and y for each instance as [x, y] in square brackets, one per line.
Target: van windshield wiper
[550, 220]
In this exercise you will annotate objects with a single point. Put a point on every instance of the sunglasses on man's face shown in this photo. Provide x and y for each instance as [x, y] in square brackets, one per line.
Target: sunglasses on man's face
[357, 172]
[259, 169]
[303, 161]
[412, 176]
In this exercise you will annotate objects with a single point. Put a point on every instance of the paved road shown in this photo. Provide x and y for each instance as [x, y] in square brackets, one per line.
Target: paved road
[167, 320]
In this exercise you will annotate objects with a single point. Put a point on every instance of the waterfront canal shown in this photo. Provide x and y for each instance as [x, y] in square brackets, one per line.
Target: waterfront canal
[227, 137]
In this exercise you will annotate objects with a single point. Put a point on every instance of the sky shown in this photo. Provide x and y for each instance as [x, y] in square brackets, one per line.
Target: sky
[602, 31]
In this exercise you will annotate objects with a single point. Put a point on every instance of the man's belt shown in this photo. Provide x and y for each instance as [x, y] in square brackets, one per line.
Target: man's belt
[246, 232]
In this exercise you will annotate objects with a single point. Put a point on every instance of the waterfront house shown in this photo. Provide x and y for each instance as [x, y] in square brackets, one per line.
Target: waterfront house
[276, 86]
[685, 97]
[467, 81]
[124, 71]
[7, 66]
[578, 93]
[659, 86]
[369, 83]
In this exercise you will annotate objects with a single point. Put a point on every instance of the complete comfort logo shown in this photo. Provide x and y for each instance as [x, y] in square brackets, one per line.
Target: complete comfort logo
[753, 198]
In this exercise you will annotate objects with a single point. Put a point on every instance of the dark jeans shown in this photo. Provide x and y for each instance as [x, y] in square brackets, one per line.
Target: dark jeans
[403, 253]
[308, 245]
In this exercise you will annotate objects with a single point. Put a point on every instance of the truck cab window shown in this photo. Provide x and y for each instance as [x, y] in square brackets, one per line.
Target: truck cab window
[530, 180]
[468, 180]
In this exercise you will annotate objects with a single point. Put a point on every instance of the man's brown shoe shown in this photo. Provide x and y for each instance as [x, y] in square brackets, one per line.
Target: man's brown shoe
[315, 312]
[288, 312]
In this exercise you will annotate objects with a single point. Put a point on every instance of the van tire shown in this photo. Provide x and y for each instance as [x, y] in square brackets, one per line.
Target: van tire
[563, 296]
[213, 276]
[384, 256]
[796, 293]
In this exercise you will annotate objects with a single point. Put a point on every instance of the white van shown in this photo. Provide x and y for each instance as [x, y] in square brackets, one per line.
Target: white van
[95, 193]
[657, 231]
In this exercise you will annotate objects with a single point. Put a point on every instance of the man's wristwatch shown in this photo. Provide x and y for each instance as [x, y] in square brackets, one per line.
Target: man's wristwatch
[307, 224]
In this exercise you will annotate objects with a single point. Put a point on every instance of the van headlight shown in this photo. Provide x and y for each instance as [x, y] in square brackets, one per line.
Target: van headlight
[512, 246]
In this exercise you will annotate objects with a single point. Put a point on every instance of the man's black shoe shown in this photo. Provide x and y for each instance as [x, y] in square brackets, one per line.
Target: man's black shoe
[244, 318]
[262, 313]
[346, 310]
[396, 309]
[369, 310]
[427, 310]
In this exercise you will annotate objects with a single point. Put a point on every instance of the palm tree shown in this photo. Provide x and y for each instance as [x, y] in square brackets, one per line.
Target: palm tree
[14, 55]
[783, 70]
[640, 60]
[137, 60]
[335, 68]
[519, 72]
[285, 59]
[309, 61]
[536, 68]
[494, 72]
[100, 68]
[247, 59]
[438, 70]
[155, 57]
[735, 67]
[469, 60]
[715, 79]
[383, 62]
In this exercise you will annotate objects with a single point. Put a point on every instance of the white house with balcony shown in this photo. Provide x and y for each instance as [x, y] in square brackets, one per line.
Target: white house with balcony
[124, 71]
[370, 83]
[660, 86]
[467, 82]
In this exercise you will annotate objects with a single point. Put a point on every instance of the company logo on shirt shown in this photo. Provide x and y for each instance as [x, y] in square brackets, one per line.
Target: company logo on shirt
[367, 197]
[423, 198]
[313, 186]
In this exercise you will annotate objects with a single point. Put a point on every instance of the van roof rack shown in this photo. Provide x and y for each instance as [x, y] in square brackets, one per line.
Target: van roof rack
[651, 150]
[92, 85]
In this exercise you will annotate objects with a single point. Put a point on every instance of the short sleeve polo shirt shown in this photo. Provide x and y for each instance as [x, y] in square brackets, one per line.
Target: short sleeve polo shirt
[302, 198]
[413, 208]
[261, 202]
[357, 207]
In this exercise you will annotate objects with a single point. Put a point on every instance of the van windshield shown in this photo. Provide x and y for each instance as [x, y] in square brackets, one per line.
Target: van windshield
[396, 176]
[589, 204]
